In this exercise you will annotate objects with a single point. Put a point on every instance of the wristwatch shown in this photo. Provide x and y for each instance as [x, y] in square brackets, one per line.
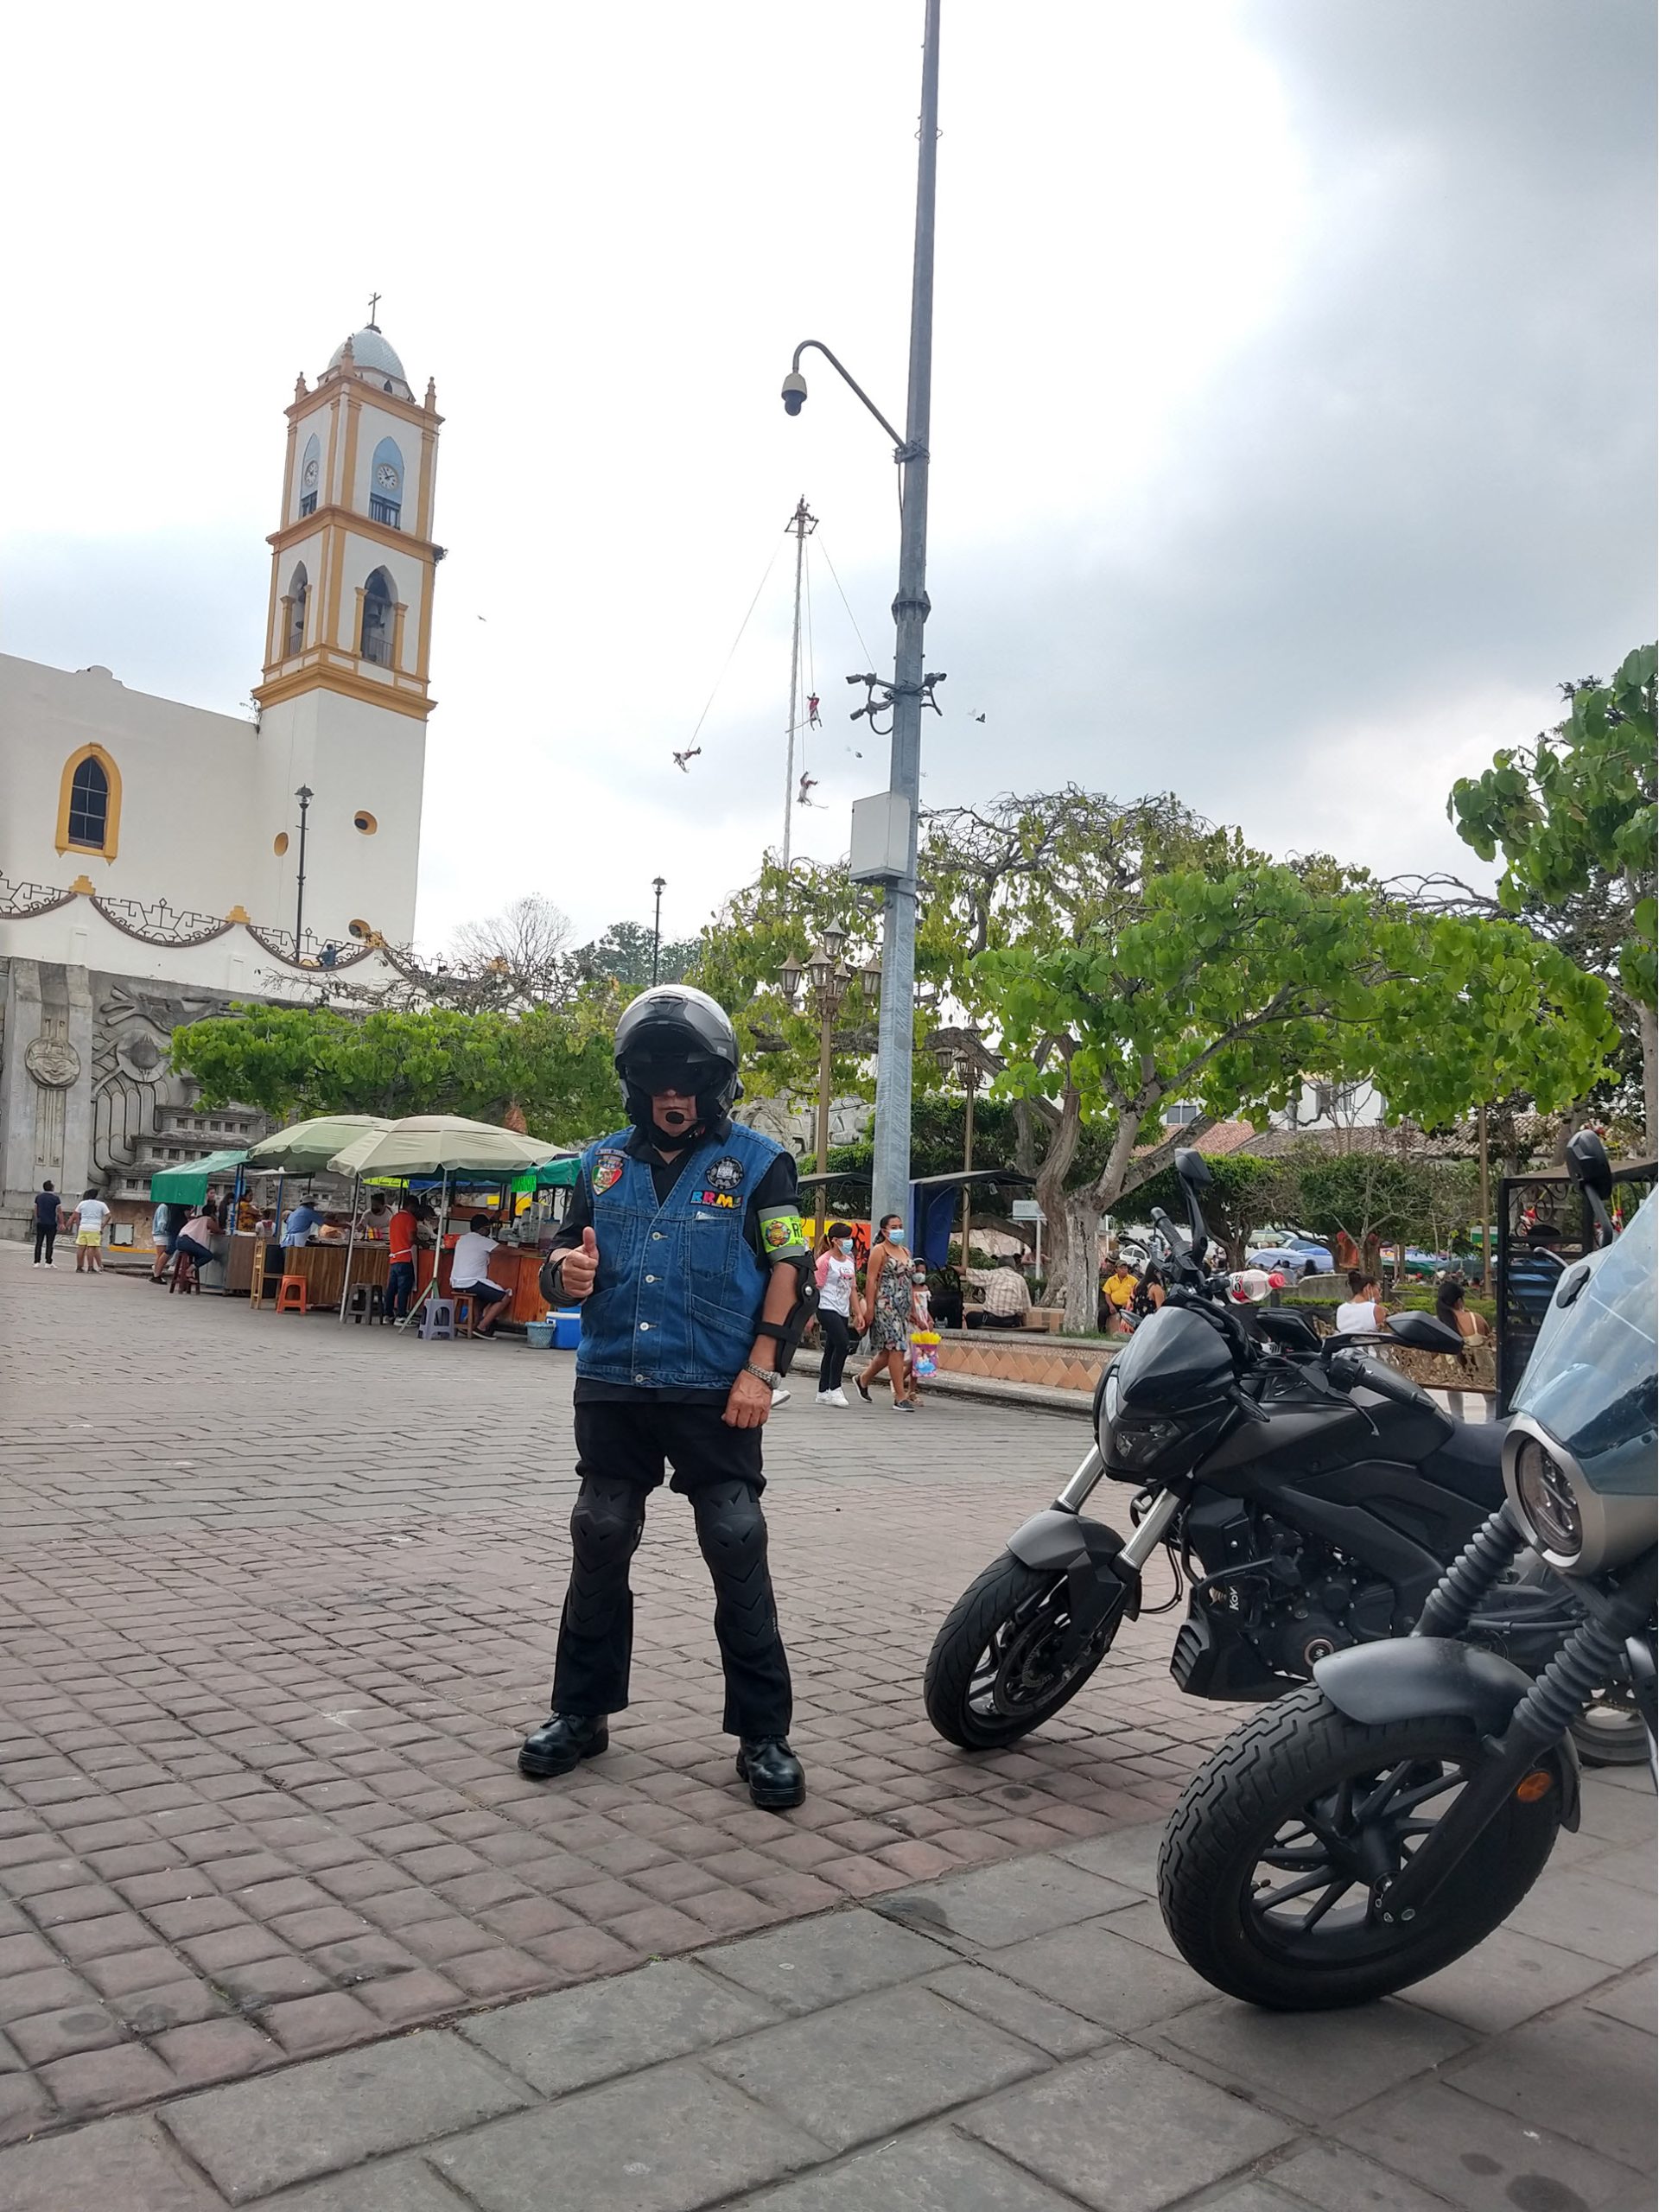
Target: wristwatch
[766, 1374]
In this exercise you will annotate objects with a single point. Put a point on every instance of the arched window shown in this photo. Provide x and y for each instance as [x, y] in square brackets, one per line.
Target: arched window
[380, 607]
[89, 803]
[299, 587]
[310, 475]
[386, 484]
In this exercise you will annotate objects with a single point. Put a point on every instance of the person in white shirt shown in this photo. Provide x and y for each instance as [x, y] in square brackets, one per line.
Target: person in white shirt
[1363, 1312]
[90, 1217]
[469, 1271]
[841, 1310]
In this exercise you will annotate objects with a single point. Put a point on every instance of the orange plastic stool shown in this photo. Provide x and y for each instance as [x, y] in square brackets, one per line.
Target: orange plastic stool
[290, 1295]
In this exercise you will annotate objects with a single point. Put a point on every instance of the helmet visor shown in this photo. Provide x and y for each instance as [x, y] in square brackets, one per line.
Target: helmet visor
[686, 1075]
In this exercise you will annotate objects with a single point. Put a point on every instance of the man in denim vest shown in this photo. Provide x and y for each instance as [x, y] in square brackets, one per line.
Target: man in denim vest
[686, 1248]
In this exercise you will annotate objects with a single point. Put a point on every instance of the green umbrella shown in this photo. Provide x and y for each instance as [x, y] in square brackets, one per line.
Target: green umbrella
[188, 1187]
[307, 1148]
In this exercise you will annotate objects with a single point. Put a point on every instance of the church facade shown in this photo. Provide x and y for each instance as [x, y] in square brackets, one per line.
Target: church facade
[122, 916]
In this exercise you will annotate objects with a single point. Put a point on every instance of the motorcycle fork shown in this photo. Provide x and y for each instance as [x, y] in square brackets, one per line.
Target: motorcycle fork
[1091, 1595]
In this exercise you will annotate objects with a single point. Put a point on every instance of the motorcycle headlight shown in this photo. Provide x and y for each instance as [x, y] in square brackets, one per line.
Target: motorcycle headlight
[1137, 1443]
[1544, 1493]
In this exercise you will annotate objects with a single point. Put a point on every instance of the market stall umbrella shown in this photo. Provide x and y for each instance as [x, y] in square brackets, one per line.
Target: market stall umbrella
[188, 1187]
[306, 1147]
[442, 1144]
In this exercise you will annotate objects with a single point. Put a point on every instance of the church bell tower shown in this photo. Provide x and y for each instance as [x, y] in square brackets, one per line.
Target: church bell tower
[344, 699]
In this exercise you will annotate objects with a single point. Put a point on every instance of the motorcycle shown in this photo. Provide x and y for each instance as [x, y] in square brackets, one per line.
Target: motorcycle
[1309, 1497]
[1369, 1829]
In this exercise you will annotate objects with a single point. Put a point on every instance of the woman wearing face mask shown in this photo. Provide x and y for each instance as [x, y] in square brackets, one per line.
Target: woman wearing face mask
[887, 1292]
[841, 1310]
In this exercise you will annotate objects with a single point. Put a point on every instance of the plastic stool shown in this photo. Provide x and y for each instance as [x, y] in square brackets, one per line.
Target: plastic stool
[184, 1275]
[367, 1301]
[438, 1319]
[291, 1295]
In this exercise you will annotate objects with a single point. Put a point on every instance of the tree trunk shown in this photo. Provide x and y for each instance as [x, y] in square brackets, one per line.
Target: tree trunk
[1082, 1264]
[1050, 1190]
[1647, 1025]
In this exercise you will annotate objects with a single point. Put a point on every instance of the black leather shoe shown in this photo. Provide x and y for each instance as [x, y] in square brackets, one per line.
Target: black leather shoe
[776, 1777]
[561, 1743]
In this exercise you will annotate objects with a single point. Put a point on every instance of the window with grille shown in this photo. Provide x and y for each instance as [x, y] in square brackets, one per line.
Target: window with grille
[89, 806]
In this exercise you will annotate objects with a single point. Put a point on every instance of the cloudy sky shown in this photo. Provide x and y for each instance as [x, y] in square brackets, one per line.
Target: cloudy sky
[1293, 407]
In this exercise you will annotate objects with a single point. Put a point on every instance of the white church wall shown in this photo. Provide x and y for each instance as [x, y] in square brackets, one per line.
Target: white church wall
[373, 424]
[355, 757]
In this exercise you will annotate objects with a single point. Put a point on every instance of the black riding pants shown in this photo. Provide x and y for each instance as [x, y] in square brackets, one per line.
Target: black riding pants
[45, 1239]
[836, 1331]
[622, 1449]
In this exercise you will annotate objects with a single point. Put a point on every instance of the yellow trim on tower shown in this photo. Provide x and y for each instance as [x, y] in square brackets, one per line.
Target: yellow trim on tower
[429, 471]
[397, 614]
[423, 631]
[397, 700]
[348, 473]
[112, 812]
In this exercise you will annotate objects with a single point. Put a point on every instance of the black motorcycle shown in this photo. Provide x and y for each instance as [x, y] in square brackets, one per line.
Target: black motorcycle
[1373, 1827]
[1309, 1496]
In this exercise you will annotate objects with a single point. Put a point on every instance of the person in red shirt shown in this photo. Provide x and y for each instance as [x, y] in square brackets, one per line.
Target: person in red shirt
[403, 1234]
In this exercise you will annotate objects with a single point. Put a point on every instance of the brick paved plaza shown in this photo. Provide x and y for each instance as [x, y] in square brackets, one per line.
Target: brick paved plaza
[278, 1598]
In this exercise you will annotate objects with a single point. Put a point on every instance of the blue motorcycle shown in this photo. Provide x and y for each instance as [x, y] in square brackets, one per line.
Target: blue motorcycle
[1363, 1832]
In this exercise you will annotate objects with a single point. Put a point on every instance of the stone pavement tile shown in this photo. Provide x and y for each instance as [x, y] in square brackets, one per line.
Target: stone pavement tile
[844, 1954]
[1102, 1976]
[173, 2005]
[214, 2050]
[1632, 2000]
[1634, 1863]
[1255, 2197]
[578, 2037]
[577, 1953]
[1575, 1908]
[1021, 2012]
[1485, 2160]
[24, 2106]
[855, 2070]
[1626, 1816]
[1001, 1904]
[1126, 2131]
[125, 2163]
[1338, 2180]
[307, 2024]
[1505, 1980]
[103, 2081]
[1129, 1855]
[47, 2036]
[389, 2185]
[403, 1999]
[934, 2172]
[51, 1989]
[1142, 1923]
[1305, 2063]
[1577, 2072]
[255, 2137]
[663, 2141]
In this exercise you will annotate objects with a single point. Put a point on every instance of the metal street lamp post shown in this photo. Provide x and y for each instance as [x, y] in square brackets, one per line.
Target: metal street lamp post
[827, 978]
[911, 689]
[304, 795]
[657, 884]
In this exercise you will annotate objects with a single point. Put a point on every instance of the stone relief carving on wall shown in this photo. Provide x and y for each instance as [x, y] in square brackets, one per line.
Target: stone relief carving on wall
[53, 1061]
[132, 1080]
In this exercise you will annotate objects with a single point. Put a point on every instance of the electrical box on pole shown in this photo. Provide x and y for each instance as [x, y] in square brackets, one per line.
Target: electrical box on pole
[880, 845]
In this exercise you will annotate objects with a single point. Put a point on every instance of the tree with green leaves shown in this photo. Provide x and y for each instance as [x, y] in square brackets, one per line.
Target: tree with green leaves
[623, 956]
[1222, 984]
[292, 1061]
[1573, 818]
[1243, 1193]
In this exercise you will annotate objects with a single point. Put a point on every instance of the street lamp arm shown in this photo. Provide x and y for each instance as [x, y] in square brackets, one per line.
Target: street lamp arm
[902, 451]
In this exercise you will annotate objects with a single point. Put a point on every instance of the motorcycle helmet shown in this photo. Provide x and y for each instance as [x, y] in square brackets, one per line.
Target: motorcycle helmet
[672, 1037]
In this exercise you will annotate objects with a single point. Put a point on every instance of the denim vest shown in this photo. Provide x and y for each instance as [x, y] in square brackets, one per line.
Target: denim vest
[679, 1293]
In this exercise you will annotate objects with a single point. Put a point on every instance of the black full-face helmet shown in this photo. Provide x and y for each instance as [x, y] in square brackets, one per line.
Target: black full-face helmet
[672, 1037]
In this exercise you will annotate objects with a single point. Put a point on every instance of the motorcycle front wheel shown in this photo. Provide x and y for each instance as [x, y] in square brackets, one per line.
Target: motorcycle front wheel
[1267, 1866]
[994, 1672]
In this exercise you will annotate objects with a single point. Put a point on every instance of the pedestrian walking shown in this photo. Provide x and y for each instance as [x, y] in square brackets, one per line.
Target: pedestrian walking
[90, 1217]
[841, 1310]
[888, 1302]
[163, 1231]
[48, 1208]
[685, 1249]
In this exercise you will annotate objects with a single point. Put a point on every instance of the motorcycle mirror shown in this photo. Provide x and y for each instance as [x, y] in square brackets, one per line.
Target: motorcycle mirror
[1424, 1332]
[1192, 1168]
[1587, 1163]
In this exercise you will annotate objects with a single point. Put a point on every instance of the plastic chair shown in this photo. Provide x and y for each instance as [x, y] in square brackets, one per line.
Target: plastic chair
[367, 1301]
[291, 1296]
[438, 1319]
[183, 1276]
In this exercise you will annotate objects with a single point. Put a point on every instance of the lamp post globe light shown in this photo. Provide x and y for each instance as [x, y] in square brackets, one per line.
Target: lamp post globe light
[895, 866]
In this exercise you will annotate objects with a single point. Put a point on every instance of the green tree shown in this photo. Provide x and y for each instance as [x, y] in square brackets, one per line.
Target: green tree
[1243, 1193]
[1366, 1196]
[1573, 817]
[292, 1061]
[1222, 984]
[622, 955]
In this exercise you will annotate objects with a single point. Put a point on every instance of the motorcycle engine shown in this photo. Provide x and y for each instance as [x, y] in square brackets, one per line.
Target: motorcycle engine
[1296, 1602]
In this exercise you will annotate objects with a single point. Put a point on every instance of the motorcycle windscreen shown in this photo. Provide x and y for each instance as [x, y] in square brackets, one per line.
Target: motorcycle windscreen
[1175, 1359]
[1593, 1377]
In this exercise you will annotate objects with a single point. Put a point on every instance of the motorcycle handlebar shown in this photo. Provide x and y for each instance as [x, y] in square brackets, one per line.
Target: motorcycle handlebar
[1348, 1368]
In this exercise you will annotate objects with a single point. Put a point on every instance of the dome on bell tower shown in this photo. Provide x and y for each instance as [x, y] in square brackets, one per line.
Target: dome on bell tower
[373, 359]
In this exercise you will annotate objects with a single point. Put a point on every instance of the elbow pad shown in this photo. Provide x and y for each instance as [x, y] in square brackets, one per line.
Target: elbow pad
[787, 1334]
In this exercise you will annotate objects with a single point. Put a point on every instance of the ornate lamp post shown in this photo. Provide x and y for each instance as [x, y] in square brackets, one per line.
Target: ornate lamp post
[827, 979]
[962, 1061]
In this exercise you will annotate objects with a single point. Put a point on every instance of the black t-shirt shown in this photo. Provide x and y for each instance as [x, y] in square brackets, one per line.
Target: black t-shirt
[777, 1187]
[47, 1204]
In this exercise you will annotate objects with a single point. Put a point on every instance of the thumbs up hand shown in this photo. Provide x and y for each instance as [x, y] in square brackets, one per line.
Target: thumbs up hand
[580, 1267]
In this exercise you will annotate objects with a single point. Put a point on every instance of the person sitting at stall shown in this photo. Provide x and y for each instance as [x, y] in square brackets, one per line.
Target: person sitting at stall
[297, 1228]
[194, 1241]
[1007, 1300]
[469, 1272]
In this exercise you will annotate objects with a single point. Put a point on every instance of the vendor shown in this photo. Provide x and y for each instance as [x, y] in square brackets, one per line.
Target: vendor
[374, 1223]
[297, 1228]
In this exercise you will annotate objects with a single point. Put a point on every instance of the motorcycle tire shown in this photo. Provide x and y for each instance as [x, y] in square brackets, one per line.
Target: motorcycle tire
[1301, 1756]
[1611, 1732]
[1003, 1619]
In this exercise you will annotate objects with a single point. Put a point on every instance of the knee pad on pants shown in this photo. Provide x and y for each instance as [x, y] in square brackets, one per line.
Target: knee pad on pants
[607, 1523]
[732, 1532]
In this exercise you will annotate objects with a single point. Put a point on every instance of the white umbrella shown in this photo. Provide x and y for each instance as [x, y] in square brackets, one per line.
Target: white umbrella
[303, 1147]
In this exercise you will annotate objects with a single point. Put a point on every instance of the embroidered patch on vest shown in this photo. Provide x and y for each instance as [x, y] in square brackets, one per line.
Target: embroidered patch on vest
[725, 1174]
[607, 1169]
[717, 1199]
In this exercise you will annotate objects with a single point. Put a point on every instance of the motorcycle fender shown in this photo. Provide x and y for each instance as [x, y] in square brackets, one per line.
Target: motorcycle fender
[1375, 1683]
[1057, 1542]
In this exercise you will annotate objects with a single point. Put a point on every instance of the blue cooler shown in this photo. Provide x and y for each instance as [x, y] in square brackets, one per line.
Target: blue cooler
[567, 1330]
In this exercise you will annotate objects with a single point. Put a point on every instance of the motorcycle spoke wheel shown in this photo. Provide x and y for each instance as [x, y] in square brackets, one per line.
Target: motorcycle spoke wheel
[994, 1672]
[1363, 1833]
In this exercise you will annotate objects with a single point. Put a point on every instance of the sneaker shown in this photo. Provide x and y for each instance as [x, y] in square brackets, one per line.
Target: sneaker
[837, 1397]
[779, 1398]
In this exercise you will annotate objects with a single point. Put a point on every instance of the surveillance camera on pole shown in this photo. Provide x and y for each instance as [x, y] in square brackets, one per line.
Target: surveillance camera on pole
[794, 392]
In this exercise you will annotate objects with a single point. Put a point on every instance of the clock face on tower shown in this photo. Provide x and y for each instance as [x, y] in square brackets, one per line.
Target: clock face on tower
[387, 477]
[311, 473]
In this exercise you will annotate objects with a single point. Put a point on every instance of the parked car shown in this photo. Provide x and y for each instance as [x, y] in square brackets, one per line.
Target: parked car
[1297, 1257]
